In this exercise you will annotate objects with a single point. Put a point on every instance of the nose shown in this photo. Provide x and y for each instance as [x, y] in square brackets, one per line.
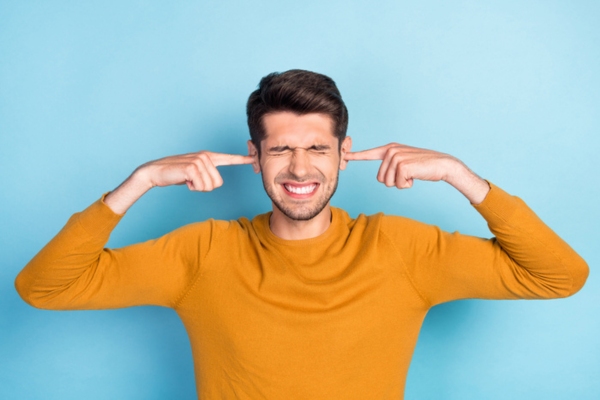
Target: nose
[299, 164]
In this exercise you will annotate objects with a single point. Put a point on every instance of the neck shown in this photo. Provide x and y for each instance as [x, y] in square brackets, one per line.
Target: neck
[289, 229]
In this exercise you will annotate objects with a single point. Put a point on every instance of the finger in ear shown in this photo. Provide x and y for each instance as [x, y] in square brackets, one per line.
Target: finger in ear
[253, 152]
[346, 147]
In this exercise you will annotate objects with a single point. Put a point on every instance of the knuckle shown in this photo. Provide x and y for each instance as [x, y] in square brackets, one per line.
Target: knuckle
[199, 164]
[397, 157]
[204, 157]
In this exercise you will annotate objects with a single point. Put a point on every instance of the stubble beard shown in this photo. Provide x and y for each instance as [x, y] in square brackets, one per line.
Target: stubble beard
[301, 212]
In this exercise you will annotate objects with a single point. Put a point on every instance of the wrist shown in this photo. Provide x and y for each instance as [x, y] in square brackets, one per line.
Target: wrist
[128, 192]
[456, 171]
[141, 179]
[473, 187]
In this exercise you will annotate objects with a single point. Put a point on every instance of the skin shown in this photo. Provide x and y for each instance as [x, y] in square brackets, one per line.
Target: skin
[299, 162]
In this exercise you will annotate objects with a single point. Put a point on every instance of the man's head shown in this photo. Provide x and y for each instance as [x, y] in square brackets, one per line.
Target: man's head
[300, 92]
[298, 123]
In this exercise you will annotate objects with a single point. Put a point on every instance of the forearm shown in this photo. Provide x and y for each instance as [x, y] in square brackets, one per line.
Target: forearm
[75, 270]
[525, 260]
[65, 261]
[544, 265]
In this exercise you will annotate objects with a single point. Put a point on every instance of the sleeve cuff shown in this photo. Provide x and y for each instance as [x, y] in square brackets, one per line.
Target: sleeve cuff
[98, 218]
[497, 205]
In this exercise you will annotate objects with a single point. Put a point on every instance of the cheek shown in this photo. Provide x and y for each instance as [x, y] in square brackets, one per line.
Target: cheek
[270, 167]
[327, 165]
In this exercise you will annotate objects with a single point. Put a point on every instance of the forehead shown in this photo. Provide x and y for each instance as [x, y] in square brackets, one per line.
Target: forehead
[297, 130]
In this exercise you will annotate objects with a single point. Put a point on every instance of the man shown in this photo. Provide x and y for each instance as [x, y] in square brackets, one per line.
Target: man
[303, 302]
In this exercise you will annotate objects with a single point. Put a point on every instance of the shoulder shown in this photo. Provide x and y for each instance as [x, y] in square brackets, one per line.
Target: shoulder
[398, 229]
[212, 229]
[384, 222]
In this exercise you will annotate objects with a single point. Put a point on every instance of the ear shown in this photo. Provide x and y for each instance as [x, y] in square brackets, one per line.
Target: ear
[252, 152]
[346, 147]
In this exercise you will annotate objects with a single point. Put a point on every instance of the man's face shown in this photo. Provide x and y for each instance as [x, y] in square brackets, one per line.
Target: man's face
[300, 161]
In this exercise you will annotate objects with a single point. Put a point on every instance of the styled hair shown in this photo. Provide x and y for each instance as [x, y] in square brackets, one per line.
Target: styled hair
[301, 92]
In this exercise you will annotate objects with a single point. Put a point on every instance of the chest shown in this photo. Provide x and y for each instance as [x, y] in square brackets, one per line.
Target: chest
[265, 319]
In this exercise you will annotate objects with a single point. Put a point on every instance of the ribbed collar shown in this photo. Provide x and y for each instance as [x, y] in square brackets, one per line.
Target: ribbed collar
[307, 253]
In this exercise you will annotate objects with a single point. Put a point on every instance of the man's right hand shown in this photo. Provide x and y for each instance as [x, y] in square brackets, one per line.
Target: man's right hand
[197, 170]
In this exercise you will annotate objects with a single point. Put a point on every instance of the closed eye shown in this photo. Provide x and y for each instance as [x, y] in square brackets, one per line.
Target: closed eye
[319, 149]
[286, 150]
[279, 150]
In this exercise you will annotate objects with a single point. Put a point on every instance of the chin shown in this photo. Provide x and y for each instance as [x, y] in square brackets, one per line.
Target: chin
[301, 215]
[301, 212]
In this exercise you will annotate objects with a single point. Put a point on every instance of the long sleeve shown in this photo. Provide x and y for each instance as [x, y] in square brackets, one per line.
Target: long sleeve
[525, 259]
[75, 271]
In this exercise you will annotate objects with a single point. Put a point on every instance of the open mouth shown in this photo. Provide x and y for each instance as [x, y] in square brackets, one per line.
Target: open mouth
[297, 190]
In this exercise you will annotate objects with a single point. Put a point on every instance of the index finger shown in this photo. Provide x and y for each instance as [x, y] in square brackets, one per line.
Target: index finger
[376, 153]
[219, 159]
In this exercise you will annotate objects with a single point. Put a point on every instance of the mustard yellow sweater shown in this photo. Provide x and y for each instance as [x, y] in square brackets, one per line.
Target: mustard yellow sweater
[333, 317]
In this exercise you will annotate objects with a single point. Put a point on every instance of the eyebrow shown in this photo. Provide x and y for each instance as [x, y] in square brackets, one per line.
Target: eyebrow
[317, 147]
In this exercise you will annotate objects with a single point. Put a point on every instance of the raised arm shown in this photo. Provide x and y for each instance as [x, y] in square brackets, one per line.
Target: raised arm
[75, 271]
[525, 259]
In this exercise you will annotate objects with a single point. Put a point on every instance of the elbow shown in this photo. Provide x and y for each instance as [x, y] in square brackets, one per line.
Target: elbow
[26, 291]
[579, 274]
[574, 279]
[23, 288]
[568, 279]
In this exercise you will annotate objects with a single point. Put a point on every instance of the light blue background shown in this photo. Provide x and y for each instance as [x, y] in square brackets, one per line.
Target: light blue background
[90, 90]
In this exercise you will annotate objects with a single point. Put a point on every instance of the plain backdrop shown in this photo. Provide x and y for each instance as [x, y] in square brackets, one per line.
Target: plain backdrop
[90, 90]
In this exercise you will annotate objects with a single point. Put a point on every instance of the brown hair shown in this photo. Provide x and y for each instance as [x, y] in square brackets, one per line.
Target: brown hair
[298, 91]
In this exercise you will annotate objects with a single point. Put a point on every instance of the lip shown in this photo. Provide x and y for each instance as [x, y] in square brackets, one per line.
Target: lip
[300, 185]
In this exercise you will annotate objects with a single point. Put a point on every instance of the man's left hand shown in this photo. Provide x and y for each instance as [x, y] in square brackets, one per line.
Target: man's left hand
[401, 165]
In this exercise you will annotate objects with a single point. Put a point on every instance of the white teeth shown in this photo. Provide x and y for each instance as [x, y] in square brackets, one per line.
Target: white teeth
[302, 189]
